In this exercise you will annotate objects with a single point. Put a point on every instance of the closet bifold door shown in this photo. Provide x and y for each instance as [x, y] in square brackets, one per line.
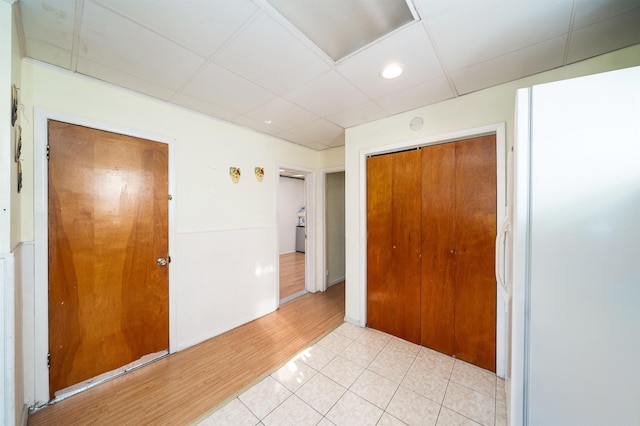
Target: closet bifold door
[438, 247]
[393, 244]
[458, 295]
[475, 301]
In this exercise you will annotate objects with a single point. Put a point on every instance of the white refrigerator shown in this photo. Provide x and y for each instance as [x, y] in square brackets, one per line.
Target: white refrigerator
[575, 328]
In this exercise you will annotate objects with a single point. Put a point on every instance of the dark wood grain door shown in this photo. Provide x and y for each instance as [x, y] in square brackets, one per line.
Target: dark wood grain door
[458, 249]
[475, 301]
[438, 247]
[108, 225]
[393, 244]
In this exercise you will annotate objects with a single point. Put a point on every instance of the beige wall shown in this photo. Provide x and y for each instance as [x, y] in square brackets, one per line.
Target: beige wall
[478, 109]
[205, 149]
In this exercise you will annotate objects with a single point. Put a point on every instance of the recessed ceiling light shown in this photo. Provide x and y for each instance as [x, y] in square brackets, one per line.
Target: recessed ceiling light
[391, 71]
[268, 121]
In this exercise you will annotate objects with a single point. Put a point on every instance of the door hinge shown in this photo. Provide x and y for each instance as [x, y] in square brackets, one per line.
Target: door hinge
[170, 197]
[48, 152]
[49, 360]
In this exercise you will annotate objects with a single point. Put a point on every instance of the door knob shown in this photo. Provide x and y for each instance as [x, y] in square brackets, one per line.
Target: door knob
[161, 261]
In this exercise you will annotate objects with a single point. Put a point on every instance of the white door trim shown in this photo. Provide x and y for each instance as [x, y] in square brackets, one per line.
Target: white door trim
[41, 240]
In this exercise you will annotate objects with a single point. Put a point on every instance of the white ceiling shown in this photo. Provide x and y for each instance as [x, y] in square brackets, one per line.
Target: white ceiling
[241, 61]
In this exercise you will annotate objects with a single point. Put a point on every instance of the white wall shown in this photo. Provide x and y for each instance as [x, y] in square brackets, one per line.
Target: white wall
[290, 199]
[225, 253]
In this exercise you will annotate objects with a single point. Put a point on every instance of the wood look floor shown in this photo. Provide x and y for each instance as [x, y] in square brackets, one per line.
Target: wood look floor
[184, 386]
[291, 274]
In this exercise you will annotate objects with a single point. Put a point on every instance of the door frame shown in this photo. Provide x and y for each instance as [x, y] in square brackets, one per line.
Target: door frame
[501, 209]
[310, 207]
[41, 240]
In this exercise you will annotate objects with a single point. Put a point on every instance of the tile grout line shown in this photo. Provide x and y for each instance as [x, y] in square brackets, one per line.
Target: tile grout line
[399, 351]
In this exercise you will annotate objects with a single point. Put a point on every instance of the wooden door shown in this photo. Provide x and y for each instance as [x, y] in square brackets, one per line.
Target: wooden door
[475, 301]
[458, 249]
[108, 223]
[393, 244]
[438, 247]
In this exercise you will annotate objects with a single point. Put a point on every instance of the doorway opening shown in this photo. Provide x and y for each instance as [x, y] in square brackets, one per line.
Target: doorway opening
[292, 233]
[334, 246]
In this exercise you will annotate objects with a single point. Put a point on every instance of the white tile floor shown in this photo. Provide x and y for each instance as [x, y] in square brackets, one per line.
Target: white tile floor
[356, 376]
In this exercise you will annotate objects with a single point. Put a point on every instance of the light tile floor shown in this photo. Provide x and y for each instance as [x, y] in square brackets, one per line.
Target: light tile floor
[359, 376]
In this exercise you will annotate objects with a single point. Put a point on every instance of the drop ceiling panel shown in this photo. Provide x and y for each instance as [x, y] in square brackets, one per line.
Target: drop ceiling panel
[114, 41]
[48, 22]
[593, 11]
[204, 107]
[319, 130]
[484, 30]
[122, 79]
[48, 53]
[336, 141]
[523, 62]
[266, 53]
[327, 94]
[605, 36]
[218, 86]
[411, 48]
[200, 26]
[414, 97]
[300, 139]
[282, 113]
[359, 114]
[257, 125]
[428, 9]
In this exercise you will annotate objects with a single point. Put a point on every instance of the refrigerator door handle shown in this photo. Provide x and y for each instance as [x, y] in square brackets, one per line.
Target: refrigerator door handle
[501, 259]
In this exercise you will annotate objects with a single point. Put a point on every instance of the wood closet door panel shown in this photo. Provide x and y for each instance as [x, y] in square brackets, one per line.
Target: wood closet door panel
[475, 293]
[393, 244]
[438, 247]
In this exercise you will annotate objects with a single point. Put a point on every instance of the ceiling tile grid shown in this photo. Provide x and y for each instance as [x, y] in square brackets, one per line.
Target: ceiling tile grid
[520, 63]
[605, 36]
[485, 30]
[123, 79]
[199, 26]
[411, 48]
[220, 87]
[327, 94]
[280, 112]
[51, 22]
[109, 39]
[241, 61]
[269, 55]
